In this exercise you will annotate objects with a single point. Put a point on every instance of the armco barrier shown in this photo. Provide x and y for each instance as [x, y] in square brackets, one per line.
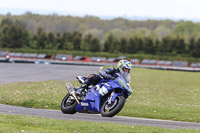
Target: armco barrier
[38, 61]
[189, 69]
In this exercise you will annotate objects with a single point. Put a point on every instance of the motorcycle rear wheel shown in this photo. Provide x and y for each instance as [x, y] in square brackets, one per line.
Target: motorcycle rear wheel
[110, 110]
[68, 104]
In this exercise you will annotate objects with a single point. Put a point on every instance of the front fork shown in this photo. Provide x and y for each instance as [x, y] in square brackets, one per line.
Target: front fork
[71, 91]
[110, 98]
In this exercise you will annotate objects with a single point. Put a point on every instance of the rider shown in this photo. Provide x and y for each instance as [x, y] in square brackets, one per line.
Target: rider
[123, 68]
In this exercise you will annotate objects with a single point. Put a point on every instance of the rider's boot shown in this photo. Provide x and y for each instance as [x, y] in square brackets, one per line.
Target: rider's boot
[81, 79]
[87, 82]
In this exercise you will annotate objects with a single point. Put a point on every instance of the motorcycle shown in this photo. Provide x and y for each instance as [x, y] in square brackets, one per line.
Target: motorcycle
[91, 101]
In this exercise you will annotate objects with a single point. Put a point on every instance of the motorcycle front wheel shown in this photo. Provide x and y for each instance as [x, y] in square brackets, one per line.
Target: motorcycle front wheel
[111, 109]
[68, 104]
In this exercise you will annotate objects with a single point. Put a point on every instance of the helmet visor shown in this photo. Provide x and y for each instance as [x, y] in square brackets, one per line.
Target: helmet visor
[126, 70]
[126, 75]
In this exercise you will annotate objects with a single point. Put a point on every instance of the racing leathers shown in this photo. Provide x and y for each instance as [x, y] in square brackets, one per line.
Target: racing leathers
[109, 73]
[93, 79]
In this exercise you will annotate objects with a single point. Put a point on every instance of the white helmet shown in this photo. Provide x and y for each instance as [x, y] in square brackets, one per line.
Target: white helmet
[124, 67]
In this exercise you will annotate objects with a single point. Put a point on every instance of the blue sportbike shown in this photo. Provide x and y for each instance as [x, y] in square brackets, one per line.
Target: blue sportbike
[93, 102]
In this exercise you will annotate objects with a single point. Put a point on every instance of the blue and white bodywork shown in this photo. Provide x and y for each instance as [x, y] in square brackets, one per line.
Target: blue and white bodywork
[107, 97]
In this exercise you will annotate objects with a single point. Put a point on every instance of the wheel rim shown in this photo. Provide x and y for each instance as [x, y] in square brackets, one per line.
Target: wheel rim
[69, 101]
[109, 107]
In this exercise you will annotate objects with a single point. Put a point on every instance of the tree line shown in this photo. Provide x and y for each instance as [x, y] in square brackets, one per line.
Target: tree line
[100, 28]
[13, 34]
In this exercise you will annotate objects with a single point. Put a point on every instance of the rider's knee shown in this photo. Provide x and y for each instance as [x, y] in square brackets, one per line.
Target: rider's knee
[93, 79]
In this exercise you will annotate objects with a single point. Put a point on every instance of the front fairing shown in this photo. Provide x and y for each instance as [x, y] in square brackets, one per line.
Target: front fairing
[122, 83]
[118, 82]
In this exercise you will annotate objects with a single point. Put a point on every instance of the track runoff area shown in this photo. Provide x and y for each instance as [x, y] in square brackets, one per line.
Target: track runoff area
[31, 72]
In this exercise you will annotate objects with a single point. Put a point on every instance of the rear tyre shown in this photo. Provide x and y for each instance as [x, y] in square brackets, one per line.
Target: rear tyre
[68, 104]
[110, 110]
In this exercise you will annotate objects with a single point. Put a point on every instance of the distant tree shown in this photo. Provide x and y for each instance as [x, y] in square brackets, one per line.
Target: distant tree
[51, 41]
[122, 47]
[188, 29]
[140, 44]
[84, 46]
[6, 21]
[191, 46]
[165, 45]
[149, 47]
[88, 38]
[25, 38]
[161, 31]
[59, 41]
[6, 39]
[180, 45]
[156, 45]
[68, 46]
[196, 51]
[96, 33]
[13, 36]
[41, 39]
[108, 44]
[86, 42]
[95, 45]
[132, 46]
[77, 40]
[90, 43]
[117, 35]
[67, 39]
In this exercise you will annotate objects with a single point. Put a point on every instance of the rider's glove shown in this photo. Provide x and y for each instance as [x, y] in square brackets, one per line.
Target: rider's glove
[108, 76]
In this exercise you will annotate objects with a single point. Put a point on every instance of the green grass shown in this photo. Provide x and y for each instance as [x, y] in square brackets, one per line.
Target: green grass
[45, 94]
[157, 94]
[164, 95]
[27, 124]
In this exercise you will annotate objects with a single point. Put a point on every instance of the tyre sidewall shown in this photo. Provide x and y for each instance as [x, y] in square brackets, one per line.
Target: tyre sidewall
[69, 109]
[116, 110]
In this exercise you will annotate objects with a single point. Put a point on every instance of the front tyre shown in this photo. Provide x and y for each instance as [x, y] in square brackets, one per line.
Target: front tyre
[68, 104]
[109, 110]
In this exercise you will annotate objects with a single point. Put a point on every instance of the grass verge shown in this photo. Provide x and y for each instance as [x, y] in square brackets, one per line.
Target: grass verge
[27, 124]
[157, 94]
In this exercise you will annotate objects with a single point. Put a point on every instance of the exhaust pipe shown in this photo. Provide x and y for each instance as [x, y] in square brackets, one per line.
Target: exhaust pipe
[71, 90]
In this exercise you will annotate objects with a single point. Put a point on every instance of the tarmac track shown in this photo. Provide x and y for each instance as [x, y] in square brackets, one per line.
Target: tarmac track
[38, 72]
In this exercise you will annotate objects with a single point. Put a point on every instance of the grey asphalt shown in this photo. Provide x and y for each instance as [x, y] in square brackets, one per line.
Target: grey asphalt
[37, 72]
[56, 114]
